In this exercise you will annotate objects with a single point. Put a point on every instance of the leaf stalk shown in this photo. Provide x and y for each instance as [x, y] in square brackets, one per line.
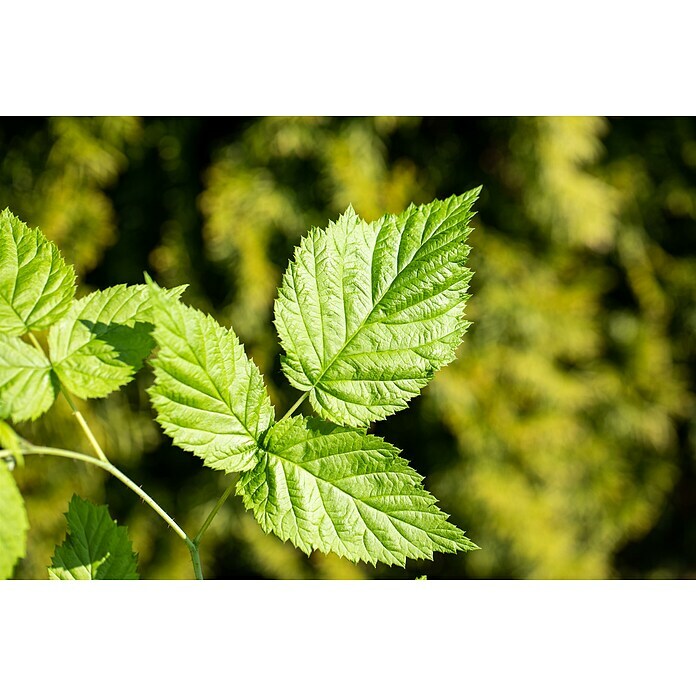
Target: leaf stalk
[106, 465]
[213, 512]
[294, 407]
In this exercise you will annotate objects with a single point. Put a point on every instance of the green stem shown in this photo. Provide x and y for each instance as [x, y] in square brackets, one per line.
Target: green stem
[230, 488]
[103, 463]
[29, 449]
[36, 343]
[78, 416]
[106, 466]
[294, 407]
[195, 559]
[213, 512]
[83, 424]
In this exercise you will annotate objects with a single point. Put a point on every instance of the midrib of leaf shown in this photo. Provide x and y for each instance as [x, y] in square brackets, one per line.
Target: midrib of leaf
[91, 549]
[321, 311]
[389, 350]
[15, 249]
[206, 410]
[356, 502]
[222, 398]
[216, 390]
[332, 484]
[366, 321]
[42, 296]
[246, 410]
[401, 241]
[304, 321]
[20, 267]
[14, 311]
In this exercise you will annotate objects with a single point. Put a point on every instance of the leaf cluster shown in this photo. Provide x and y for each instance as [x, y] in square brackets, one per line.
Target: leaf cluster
[367, 312]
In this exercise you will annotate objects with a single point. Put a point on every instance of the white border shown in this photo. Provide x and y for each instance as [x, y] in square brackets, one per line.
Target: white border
[283, 637]
[364, 57]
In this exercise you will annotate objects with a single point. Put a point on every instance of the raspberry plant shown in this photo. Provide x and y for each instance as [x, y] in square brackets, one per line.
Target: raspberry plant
[367, 312]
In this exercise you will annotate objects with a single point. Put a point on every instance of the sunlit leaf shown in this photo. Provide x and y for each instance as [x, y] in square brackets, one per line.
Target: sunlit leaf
[209, 396]
[102, 341]
[367, 312]
[13, 523]
[27, 387]
[340, 490]
[10, 440]
[36, 285]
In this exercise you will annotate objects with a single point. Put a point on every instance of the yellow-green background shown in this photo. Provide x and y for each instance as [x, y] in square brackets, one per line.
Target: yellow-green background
[563, 437]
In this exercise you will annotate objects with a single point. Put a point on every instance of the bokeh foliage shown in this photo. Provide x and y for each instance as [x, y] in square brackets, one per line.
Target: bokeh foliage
[563, 437]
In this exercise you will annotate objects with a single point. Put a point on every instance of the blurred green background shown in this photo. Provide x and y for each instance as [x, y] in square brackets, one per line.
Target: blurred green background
[562, 439]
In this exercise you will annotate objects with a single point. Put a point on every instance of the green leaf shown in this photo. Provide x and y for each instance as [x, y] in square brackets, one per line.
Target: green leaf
[27, 387]
[368, 311]
[13, 523]
[95, 548]
[102, 341]
[9, 440]
[338, 489]
[209, 397]
[36, 285]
